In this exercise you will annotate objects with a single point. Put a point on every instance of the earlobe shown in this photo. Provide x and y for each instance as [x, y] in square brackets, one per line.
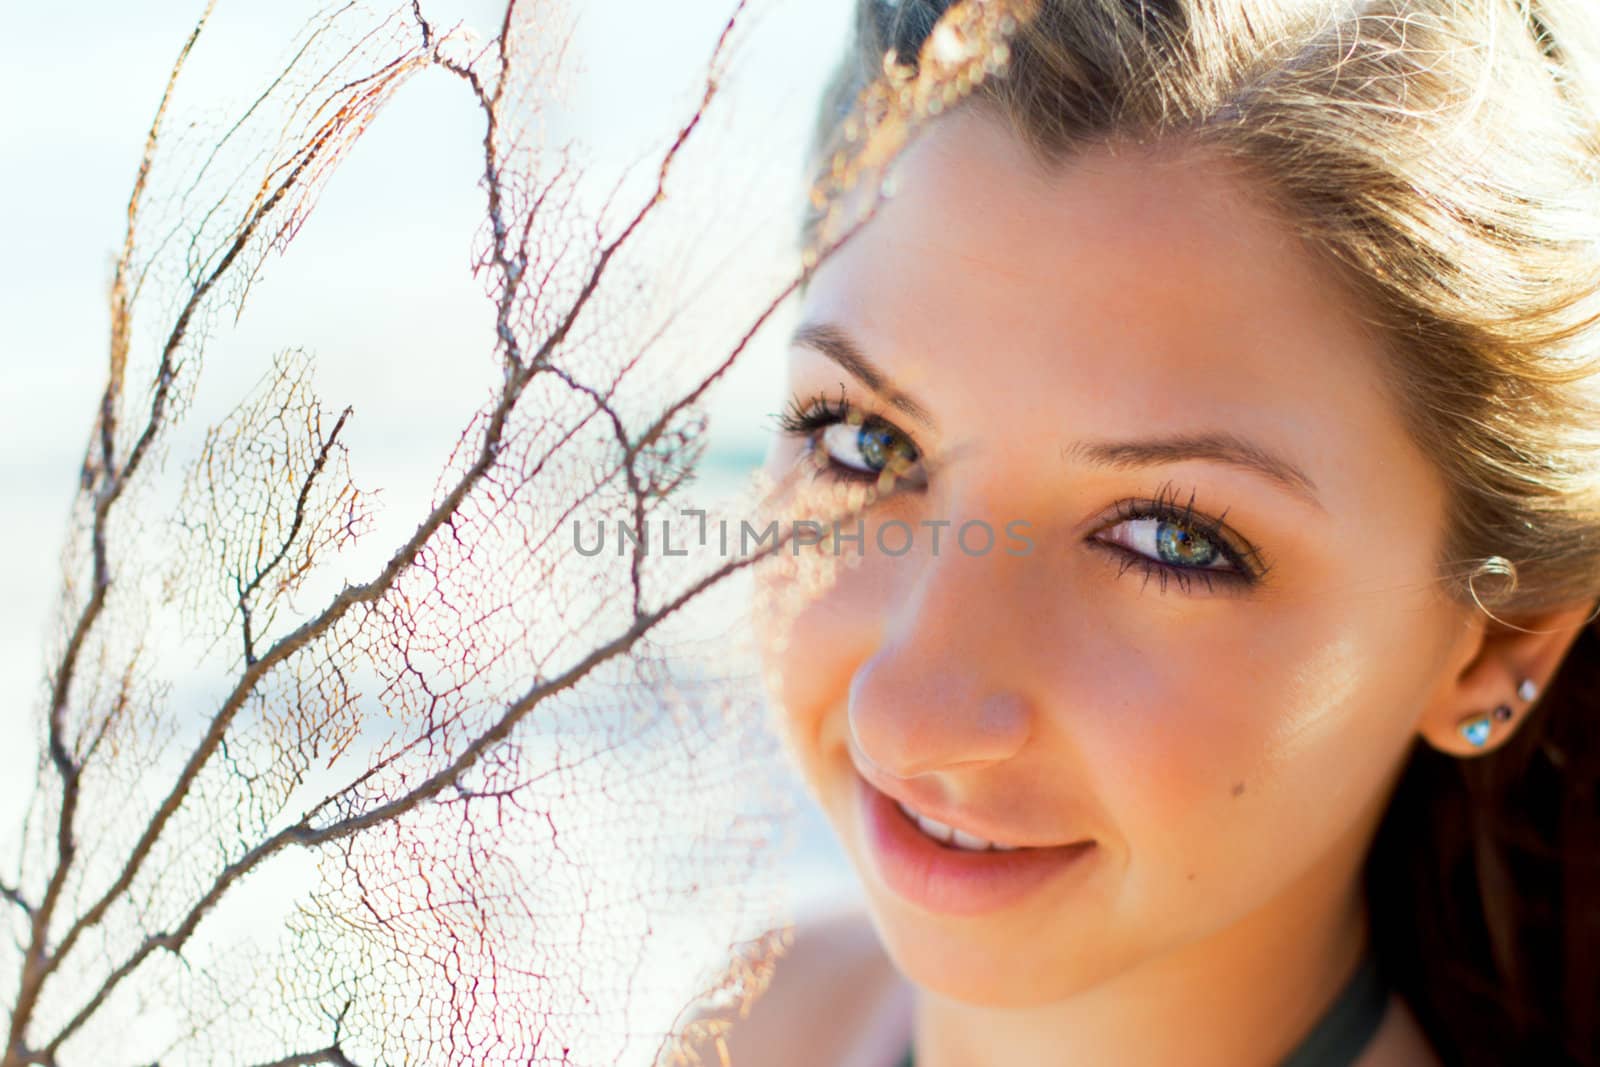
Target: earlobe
[1492, 693]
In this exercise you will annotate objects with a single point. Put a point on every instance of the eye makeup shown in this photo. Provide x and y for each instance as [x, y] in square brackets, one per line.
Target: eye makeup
[1175, 542]
[1176, 529]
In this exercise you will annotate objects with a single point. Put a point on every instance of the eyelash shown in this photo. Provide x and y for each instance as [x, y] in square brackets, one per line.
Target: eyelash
[805, 419]
[1249, 567]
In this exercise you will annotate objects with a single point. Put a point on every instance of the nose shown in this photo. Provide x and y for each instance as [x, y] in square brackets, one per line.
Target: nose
[944, 689]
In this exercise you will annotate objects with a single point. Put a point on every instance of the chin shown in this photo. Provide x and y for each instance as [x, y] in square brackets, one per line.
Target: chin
[983, 961]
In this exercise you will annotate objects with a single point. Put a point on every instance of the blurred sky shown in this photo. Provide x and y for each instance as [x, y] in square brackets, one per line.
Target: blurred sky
[79, 84]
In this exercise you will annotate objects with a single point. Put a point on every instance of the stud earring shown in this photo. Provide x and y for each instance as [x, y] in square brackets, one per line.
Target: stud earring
[1476, 729]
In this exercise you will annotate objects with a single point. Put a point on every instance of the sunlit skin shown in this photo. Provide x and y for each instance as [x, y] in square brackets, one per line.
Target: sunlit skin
[1229, 750]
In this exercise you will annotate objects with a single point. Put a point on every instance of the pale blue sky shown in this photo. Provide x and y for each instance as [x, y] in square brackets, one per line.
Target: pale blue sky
[80, 82]
[372, 285]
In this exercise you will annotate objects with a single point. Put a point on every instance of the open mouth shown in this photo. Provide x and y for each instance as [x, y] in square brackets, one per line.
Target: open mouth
[923, 862]
[950, 836]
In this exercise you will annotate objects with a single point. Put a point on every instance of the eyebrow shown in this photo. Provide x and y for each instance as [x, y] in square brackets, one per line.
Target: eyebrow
[830, 341]
[1217, 446]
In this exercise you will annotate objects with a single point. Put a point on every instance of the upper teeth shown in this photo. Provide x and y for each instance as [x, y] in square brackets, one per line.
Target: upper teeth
[950, 835]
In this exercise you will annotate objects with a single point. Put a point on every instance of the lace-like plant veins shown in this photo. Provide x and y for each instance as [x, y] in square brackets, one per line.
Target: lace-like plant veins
[968, 44]
[466, 879]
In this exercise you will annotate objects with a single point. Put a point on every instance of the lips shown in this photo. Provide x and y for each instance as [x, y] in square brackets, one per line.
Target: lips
[942, 878]
[944, 822]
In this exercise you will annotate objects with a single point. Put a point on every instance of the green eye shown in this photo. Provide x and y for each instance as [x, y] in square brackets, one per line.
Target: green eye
[872, 447]
[1169, 540]
[1175, 544]
[849, 445]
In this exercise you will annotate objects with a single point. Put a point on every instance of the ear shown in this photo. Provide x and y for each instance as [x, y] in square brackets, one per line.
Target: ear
[1489, 663]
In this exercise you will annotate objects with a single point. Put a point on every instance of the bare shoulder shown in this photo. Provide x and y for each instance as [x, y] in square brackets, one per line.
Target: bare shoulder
[834, 1000]
[1400, 1040]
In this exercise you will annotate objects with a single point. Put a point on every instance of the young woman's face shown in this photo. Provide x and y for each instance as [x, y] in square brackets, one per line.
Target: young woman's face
[1217, 700]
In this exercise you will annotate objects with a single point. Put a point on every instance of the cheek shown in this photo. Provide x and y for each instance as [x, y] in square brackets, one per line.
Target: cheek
[1231, 764]
[811, 611]
[817, 618]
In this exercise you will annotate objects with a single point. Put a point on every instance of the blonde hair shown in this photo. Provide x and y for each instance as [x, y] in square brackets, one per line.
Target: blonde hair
[1443, 156]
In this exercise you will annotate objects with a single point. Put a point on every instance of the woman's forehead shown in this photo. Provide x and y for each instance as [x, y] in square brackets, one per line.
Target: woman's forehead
[1130, 287]
[1113, 265]
[1145, 235]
